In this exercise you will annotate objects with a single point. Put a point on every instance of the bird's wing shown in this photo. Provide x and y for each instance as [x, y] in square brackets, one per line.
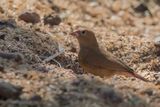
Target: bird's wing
[118, 64]
[107, 61]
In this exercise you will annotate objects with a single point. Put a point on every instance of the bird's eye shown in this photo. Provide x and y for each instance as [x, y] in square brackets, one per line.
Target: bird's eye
[83, 32]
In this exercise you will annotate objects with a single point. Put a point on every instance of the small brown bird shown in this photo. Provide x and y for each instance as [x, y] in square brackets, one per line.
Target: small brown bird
[98, 62]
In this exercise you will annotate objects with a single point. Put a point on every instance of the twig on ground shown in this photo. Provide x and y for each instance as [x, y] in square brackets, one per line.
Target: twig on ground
[60, 51]
[52, 57]
[12, 56]
[57, 63]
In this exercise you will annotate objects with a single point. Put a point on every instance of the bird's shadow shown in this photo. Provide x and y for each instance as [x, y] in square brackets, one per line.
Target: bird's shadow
[70, 62]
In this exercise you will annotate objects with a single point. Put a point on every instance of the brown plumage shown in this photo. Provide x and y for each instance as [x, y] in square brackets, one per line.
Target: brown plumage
[97, 61]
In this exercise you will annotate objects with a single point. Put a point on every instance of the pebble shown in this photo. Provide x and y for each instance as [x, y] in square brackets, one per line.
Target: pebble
[116, 7]
[141, 8]
[30, 17]
[109, 94]
[157, 2]
[36, 98]
[2, 36]
[1, 10]
[1, 68]
[148, 91]
[157, 41]
[52, 20]
[7, 23]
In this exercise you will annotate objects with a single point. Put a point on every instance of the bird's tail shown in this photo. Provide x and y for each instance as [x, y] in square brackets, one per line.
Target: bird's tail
[139, 77]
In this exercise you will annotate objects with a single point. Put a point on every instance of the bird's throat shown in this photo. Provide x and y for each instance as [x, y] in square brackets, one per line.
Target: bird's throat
[87, 51]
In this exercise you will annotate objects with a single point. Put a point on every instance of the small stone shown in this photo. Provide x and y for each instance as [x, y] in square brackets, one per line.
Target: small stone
[157, 2]
[36, 98]
[7, 23]
[73, 49]
[157, 41]
[1, 68]
[1, 10]
[52, 20]
[157, 75]
[141, 8]
[116, 6]
[2, 35]
[55, 8]
[30, 17]
[110, 95]
[157, 82]
[16, 38]
[149, 92]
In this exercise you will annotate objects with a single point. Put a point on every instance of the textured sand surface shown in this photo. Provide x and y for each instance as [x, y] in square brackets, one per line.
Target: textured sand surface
[120, 28]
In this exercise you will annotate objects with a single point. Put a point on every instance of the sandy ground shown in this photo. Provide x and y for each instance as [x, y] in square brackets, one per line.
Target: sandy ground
[120, 28]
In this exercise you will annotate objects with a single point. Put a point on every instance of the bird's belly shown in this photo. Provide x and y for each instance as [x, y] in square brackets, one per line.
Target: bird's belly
[98, 72]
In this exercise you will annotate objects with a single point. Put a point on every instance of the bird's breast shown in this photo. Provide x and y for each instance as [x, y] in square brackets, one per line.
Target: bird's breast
[90, 61]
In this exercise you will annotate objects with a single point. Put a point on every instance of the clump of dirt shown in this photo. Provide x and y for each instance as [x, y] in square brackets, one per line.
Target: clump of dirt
[32, 44]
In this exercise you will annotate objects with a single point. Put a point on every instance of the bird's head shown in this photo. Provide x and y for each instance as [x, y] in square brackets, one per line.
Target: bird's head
[86, 38]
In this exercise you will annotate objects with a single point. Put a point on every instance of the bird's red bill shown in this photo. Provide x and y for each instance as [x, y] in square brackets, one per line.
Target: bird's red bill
[75, 33]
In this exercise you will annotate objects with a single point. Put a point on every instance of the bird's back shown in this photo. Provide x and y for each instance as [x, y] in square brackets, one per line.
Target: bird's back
[101, 61]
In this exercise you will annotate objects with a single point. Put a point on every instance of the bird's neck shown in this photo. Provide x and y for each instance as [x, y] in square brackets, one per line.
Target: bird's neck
[93, 45]
[88, 45]
[88, 49]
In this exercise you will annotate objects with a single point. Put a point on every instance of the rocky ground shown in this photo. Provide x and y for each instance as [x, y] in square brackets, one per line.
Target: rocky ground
[32, 32]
